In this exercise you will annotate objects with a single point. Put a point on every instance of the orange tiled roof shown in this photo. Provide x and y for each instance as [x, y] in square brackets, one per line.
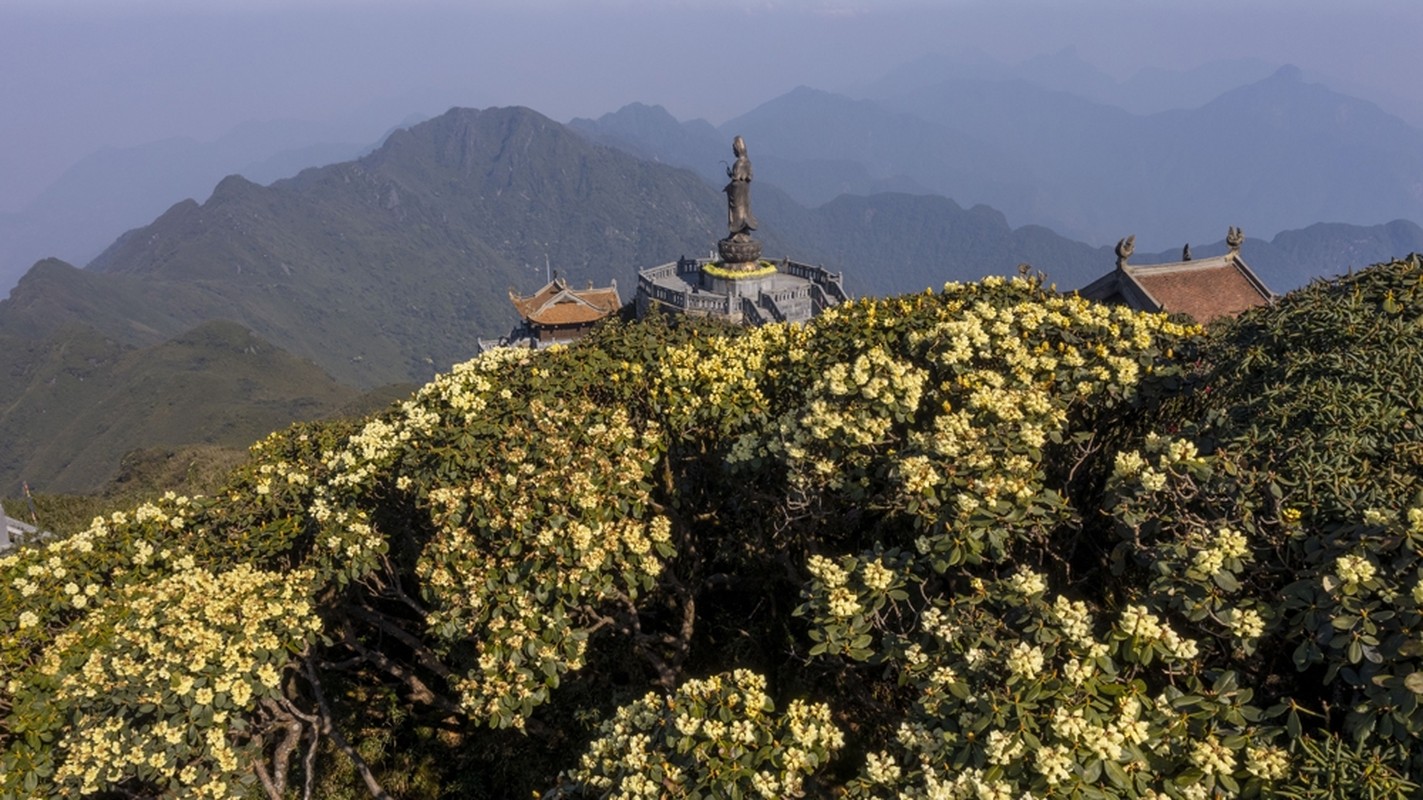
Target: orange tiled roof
[1206, 288]
[557, 304]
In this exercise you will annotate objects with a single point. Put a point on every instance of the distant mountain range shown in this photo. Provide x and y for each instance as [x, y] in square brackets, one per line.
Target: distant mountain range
[1148, 91]
[1050, 141]
[111, 191]
[1276, 154]
[322, 290]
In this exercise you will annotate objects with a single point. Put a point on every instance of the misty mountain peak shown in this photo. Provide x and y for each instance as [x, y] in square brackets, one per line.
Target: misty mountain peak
[645, 111]
[631, 118]
[232, 186]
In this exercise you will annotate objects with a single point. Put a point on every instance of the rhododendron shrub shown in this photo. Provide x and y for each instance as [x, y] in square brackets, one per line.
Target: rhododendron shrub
[985, 542]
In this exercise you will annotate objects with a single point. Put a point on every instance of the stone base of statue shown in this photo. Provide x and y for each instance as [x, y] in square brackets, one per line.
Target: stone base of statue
[738, 250]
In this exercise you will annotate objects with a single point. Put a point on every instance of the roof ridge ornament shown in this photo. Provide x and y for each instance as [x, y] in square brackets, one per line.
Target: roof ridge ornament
[1234, 238]
[1125, 248]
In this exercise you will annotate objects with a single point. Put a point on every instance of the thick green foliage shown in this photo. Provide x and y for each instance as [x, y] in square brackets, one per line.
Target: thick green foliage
[974, 543]
[1325, 389]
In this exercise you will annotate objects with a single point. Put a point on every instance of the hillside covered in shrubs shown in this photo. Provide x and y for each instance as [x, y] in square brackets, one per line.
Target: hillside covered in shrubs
[985, 542]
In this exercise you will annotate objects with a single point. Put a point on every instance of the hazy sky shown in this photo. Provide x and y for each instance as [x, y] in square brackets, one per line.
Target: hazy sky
[78, 75]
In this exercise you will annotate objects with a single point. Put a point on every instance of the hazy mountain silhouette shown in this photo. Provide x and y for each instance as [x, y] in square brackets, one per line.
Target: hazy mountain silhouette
[652, 133]
[381, 269]
[1147, 91]
[110, 191]
[1277, 154]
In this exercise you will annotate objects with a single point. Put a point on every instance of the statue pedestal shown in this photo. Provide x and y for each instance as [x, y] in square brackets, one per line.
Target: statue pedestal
[737, 250]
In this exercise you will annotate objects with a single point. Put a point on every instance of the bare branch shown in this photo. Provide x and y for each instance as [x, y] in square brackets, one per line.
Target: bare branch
[419, 691]
[385, 625]
[395, 590]
[266, 780]
[314, 726]
[274, 783]
[329, 727]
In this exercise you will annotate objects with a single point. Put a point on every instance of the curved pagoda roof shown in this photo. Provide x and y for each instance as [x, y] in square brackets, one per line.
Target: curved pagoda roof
[557, 304]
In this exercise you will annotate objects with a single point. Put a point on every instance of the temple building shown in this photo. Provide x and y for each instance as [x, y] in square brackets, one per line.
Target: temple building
[1205, 289]
[557, 314]
[785, 291]
[735, 283]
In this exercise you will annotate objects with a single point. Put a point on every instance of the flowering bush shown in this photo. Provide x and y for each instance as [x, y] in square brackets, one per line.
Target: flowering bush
[988, 542]
[719, 736]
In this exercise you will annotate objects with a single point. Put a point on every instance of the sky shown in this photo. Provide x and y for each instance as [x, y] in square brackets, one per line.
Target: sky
[80, 75]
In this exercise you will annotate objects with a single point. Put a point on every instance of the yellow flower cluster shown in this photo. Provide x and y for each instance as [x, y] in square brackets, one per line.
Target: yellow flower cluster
[1353, 569]
[1245, 624]
[853, 407]
[998, 367]
[1226, 547]
[715, 736]
[717, 379]
[1013, 641]
[1144, 629]
[847, 587]
[41, 588]
[1152, 475]
[151, 684]
[1268, 763]
[558, 504]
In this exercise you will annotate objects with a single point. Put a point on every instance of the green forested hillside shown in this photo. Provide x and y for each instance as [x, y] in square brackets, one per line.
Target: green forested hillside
[983, 542]
[76, 402]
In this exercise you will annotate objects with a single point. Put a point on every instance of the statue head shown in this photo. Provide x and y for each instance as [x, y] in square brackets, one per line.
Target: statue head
[738, 146]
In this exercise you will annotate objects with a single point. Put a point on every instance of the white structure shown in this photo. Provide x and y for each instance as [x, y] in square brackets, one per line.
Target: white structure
[13, 531]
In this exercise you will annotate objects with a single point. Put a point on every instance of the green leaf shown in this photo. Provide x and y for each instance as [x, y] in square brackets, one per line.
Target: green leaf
[1226, 581]
[1116, 774]
[1092, 771]
[1414, 682]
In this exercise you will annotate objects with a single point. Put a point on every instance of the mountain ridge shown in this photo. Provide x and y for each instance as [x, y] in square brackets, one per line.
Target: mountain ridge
[387, 269]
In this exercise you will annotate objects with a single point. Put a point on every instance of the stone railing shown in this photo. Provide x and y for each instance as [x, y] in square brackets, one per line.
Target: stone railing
[830, 283]
[676, 298]
[751, 314]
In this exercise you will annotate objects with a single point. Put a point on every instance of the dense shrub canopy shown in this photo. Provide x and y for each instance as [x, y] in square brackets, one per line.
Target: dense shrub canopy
[988, 542]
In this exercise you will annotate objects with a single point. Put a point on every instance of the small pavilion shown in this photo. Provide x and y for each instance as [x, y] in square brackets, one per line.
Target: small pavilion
[557, 314]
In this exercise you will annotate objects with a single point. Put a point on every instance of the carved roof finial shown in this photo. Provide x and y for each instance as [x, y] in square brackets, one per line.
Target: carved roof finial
[1186, 252]
[1234, 238]
[1125, 248]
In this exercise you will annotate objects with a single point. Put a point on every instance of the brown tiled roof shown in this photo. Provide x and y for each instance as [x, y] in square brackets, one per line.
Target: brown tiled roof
[1206, 288]
[557, 304]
